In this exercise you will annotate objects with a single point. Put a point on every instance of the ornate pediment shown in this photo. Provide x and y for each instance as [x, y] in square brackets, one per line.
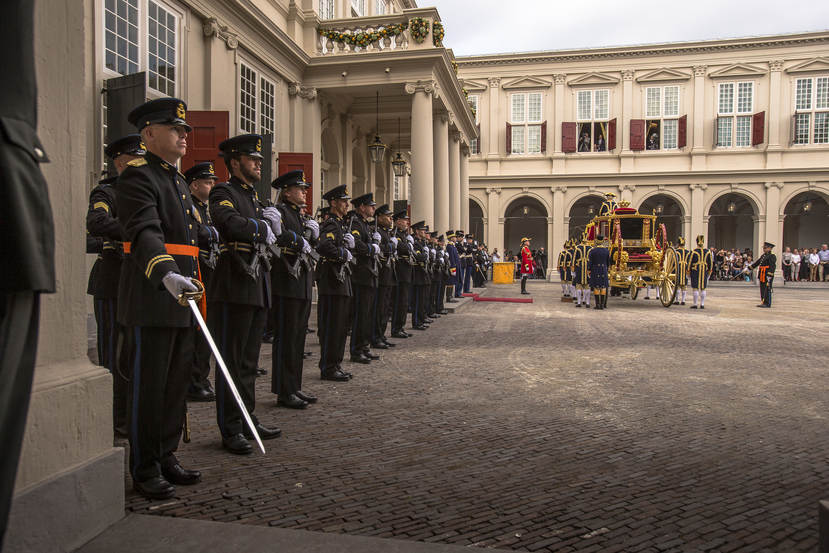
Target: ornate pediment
[526, 82]
[474, 85]
[663, 74]
[808, 66]
[594, 79]
[738, 70]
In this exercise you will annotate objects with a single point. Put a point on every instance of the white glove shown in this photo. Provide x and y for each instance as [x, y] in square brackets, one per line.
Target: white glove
[375, 249]
[375, 236]
[271, 238]
[348, 256]
[306, 247]
[177, 284]
[349, 240]
[394, 240]
[314, 226]
[410, 239]
[272, 215]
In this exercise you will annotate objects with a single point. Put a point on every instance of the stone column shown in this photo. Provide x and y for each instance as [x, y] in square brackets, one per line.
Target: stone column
[559, 112]
[627, 109]
[454, 182]
[686, 228]
[775, 112]
[698, 219]
[559, 232]
[699, 107]
[495, 232]
[423, 191]
[626, 192]
[773, 231]
[493, 143]
[464, 177]
[440, 127]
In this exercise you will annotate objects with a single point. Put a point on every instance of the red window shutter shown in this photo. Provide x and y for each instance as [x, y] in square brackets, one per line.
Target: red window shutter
[209, 129]
[544, 137]
[611, 135]
[569, 137]
[293, 161]
[682, 132]
[716, 141]
[637, 134]
[509, 139]
[758, 128]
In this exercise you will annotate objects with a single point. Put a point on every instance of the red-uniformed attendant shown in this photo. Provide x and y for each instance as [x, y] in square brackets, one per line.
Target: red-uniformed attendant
[527, 264]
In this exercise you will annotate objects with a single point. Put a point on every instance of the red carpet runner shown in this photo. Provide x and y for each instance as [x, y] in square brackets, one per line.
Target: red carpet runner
[476, 297]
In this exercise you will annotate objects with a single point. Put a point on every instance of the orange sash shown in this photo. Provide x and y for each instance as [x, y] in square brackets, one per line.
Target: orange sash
[190, 251]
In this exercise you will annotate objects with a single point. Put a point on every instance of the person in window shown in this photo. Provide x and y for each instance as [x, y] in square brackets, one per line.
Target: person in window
[600, 144]
[653, 141]
[584, 142]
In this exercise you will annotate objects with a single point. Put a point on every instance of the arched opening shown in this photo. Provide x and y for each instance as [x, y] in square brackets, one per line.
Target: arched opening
[581, 213]
[731, 223]
[476, 221]
[806, 220]
[668, 212]
[525, 217]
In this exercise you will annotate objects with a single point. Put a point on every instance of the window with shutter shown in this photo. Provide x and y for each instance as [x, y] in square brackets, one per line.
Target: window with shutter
[810, 124]
[569, 137]
[735, 102]
[682, 132]
[662, 112]
[592, 114]
[509, 139]
[758, 128]
[525, 123]
[637, 134]
[611, 134]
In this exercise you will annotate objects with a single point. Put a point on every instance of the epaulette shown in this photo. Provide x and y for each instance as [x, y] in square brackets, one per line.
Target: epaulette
[138, 162]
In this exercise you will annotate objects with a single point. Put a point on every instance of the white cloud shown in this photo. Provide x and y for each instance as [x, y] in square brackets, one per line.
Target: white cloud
[495, 26]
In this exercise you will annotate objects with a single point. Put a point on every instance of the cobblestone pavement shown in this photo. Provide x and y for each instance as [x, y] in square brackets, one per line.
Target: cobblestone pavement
[542, 427]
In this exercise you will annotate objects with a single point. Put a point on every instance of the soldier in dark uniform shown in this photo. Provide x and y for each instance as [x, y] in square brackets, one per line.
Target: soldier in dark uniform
[609, 204]
[767, 263]
[334, 285]
[404, 268]
[683, 257]
[468, 263]
[562, 270]
[435, 274]
[364, 278]
[386, 279]
[454, 267]
[292, 282]
[201, 177]
[420, 282]
[598, 260]
[154, 208]
[459, 246]
[581, 279]
[240, 292]
[442, 276]
[102, 222]
[28, 244]
[701, 263]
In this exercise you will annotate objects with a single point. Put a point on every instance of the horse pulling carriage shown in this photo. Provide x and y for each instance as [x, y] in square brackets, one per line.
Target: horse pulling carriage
[640, 252]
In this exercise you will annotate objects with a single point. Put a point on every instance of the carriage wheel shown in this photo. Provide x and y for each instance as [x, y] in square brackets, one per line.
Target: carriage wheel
[634, 291]
[667, 288]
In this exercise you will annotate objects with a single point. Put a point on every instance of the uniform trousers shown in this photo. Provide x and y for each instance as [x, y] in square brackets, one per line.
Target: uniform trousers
[201, 362]
[19, 318]
[434, 292]
[467, 278]
[441, 295]
[333, 317]
[420, 303]
[113, 351]
[238, 335]
[290, 318]
[362, 319]
[401, 306]
[106, 310]
[161, 357]
[766, 289]
[382, 311]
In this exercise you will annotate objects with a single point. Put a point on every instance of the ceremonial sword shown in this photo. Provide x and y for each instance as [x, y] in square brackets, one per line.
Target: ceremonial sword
[189, 298]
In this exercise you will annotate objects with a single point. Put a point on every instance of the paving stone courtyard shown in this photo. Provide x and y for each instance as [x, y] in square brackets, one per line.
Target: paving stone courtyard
[542, 427]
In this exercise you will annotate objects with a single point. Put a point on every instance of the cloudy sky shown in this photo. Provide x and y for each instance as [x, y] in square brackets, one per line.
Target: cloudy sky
[492, 26]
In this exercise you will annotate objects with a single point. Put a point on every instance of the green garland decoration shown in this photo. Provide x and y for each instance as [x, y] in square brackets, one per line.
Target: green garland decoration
[363, 38]
[438, 33]
[419, 28]
[455, 67]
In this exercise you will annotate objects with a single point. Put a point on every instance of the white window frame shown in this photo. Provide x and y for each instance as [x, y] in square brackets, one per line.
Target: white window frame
[382, 7]
[327, 9]
[257, 112]
[143, 46]
[730, 117]
[673, 118]
[525, 124]
[811, 112]
[358, 8]
[593, 118]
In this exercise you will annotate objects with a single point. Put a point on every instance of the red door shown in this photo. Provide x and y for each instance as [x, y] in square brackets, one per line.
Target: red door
[290, 161]
[209, 129]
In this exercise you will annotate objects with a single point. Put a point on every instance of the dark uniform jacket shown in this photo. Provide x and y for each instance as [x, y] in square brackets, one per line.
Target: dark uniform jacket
[293, 228]
[580, 255]
[404, 257]
[385, 276]
[28, 245]
[102, 222]
[767, 260]
[154, 207]
[208, 237]
[701, 263]
[454, 263]
[332, 250]
[237, 213]
[683, 257]
[420, 276]
[362, 274]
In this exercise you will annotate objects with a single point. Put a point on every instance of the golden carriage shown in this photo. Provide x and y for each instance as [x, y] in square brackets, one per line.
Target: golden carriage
[640, 253]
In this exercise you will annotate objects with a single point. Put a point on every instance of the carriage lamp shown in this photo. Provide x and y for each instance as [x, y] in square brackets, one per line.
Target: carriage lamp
[399, 164]
[732, 207]
[591, 210]
[526, 210]
[807, 206]
[377, 150]
[660, 208]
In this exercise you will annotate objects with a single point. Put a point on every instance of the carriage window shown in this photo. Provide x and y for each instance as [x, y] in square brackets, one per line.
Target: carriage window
[631, 229]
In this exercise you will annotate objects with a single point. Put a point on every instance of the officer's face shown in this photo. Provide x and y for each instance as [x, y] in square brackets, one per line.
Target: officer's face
[201, 188]
[251, 168]
[295, 195]
[402, 224]
[365, 210]
[169, 142]
[339, 207]
[384, 220]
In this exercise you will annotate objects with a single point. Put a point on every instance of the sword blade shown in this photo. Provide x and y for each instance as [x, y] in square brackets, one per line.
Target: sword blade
[221, 363]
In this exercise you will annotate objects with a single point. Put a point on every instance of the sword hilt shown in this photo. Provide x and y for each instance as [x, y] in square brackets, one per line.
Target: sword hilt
[196, 296]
